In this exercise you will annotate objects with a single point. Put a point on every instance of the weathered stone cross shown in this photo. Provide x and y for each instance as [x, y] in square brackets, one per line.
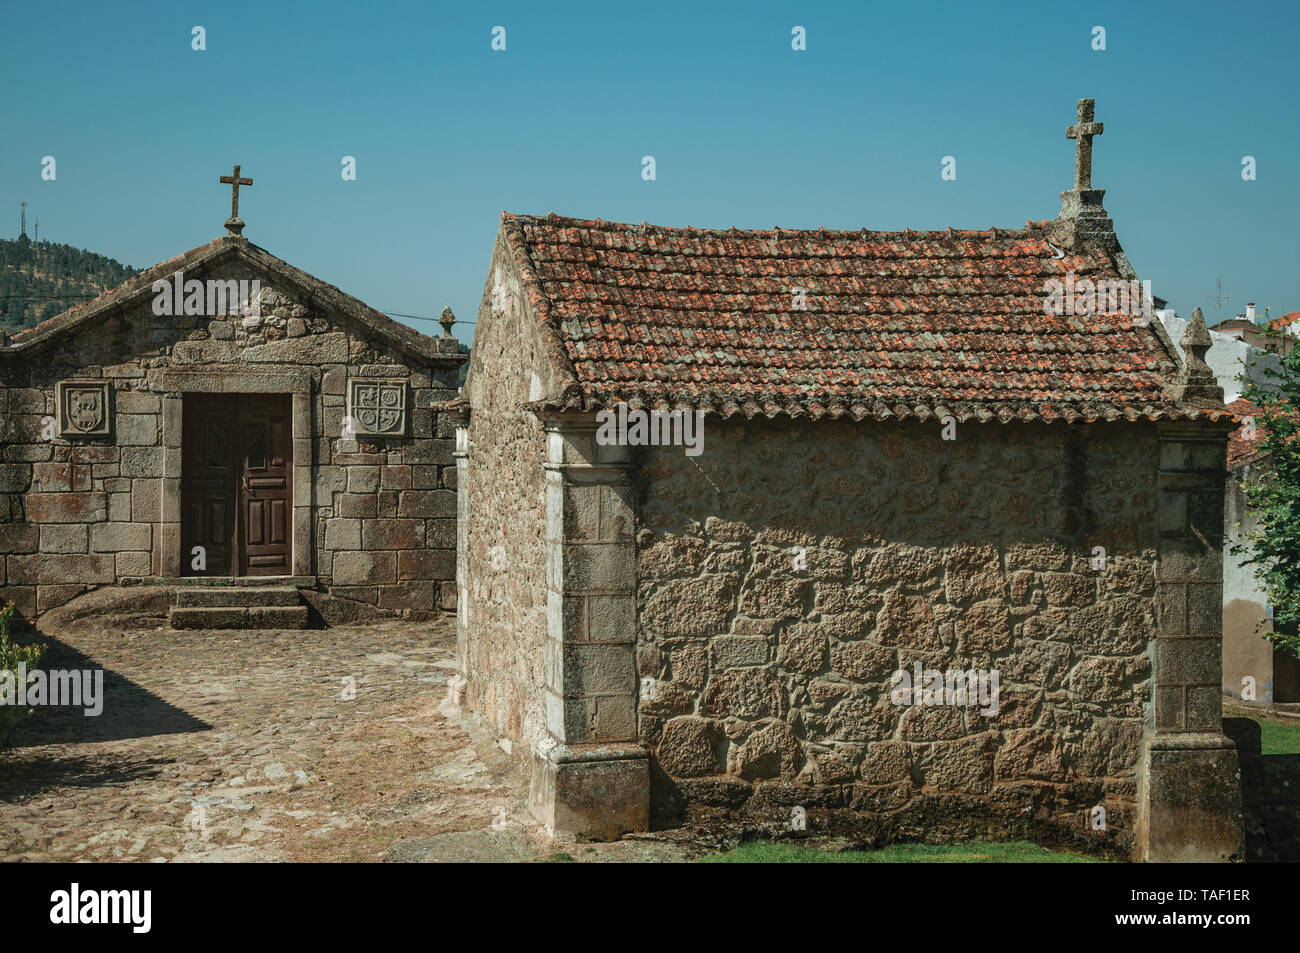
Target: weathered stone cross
[1083, 132]
[233, 224]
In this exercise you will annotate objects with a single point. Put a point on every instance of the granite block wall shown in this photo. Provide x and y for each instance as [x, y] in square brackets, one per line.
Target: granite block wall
[374, 516]
[789, 571]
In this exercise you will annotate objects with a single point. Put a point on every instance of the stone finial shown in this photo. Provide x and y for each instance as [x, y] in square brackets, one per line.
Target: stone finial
[447, 320]
[1196, 341]
[1196, 383]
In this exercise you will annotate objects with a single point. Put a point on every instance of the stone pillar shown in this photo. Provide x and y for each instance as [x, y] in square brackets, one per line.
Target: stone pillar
[1189, 789]
[590, 777]
[304, 486]
[167, 541]
[456, 685]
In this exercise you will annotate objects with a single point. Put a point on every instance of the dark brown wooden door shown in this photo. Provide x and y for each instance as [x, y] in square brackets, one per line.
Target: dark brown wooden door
[267, 465]
[236, 484]
[209, 487]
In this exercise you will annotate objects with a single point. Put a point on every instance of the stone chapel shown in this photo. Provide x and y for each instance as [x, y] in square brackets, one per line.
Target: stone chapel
[225, 417]
[922, 451]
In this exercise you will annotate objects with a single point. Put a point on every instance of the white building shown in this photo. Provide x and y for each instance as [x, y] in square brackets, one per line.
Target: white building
[1228, 357]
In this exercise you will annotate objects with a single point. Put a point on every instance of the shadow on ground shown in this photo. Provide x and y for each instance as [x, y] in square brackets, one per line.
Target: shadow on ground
[1270, 796]
[129, 710]
[26, 777]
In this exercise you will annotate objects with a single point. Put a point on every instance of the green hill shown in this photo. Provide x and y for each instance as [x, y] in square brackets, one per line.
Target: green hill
[41, 279]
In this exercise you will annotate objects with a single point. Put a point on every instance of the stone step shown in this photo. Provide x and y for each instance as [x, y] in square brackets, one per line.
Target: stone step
[237, 596]
[239, 582]
[238, 617]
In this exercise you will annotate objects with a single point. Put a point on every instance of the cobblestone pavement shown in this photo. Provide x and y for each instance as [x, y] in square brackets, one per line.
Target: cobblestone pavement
[240, 746]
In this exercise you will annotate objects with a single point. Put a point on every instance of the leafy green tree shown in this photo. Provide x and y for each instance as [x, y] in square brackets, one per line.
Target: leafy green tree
[1273, 492]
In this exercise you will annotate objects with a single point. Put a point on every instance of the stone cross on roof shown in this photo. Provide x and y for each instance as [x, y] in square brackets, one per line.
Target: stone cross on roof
[234, 225]
[1083, 133]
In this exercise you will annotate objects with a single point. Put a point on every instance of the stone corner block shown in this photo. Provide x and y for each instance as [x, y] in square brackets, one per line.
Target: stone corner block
[592, 792]
[1189, 806]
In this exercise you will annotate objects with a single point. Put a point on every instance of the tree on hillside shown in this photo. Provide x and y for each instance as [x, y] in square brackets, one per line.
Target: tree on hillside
[40, 280]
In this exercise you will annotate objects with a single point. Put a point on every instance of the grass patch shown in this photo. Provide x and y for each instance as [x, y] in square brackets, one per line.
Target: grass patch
[999, 852]
[1277, 735]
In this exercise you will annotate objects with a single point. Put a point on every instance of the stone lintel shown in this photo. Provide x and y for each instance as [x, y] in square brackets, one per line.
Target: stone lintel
[229, 379]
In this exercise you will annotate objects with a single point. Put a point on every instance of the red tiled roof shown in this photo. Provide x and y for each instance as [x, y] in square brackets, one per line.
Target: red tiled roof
[1240, 450]
[1243, 452]
[897, 324]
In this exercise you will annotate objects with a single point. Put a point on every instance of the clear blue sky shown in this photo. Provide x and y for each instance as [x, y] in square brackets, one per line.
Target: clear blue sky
[745, 131]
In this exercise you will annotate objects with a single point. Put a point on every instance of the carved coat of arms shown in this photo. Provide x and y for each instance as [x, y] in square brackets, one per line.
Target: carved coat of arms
[83, 409]
[86, 410]
[377, 407]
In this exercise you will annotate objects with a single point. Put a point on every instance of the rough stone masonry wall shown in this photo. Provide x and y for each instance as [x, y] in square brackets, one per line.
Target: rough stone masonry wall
[772, 683]
[504, 623]
[87, 512]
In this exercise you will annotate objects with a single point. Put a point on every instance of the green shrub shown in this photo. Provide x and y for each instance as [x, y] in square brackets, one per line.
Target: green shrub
[11, 716]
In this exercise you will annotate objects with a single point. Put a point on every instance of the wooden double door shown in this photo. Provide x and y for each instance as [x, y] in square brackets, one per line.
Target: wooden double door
[236, 485]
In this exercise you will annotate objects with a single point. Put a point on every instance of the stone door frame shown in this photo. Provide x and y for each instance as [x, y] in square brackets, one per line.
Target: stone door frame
[174, 383]
[241, 488]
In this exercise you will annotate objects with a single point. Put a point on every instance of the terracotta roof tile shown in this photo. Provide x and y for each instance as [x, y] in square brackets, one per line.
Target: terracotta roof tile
[1240, 450]
[898, 324]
